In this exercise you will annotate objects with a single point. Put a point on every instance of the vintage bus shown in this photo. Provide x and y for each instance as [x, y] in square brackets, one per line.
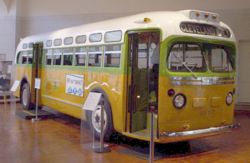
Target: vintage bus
[182, 63]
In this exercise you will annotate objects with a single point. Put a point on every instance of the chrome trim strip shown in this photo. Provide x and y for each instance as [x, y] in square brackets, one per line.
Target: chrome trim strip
[63, 101]
[197, 132]
[202, 80]
[201, 83]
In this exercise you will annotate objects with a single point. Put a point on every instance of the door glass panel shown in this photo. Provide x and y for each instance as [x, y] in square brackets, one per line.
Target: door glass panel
[144, 64]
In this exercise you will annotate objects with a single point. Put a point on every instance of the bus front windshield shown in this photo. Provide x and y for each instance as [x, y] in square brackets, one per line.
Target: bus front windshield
[193, 57]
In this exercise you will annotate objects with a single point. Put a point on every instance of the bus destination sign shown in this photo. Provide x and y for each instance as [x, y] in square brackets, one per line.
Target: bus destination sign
[204, 29]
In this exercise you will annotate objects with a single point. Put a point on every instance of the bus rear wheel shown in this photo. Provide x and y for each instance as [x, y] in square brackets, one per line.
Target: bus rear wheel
[94, 120]
[25, 96]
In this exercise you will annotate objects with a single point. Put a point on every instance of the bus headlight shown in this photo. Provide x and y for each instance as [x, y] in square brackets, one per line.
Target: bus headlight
[229, 98]
[179, 101]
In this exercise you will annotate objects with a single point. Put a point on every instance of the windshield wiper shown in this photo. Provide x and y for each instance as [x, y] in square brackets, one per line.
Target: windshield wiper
[185, 65]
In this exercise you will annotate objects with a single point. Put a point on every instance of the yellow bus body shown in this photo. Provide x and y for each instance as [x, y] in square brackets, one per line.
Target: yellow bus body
[206, 106]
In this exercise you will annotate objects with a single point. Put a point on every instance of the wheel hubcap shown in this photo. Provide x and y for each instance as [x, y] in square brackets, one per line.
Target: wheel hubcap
[96, 119]
[25, 97]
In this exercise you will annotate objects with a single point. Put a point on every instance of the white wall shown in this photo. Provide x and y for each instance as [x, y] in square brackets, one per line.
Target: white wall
[8, 29]
[26, 17]
[243, 71]
[239, 20]
[36, 16]
[76, 7]
[41, 24]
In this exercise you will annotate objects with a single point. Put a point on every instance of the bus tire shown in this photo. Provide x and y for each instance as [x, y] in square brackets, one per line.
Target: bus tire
[25, 96]
[94, 119]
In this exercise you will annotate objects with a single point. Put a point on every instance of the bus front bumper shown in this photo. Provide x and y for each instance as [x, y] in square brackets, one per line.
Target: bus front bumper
[165, 137]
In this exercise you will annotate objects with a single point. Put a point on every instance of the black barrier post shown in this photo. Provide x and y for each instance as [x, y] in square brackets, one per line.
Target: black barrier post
[36, 117]
[37, 87]
[152, 110]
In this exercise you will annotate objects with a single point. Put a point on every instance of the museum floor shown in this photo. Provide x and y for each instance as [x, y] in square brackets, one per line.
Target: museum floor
[58, 140]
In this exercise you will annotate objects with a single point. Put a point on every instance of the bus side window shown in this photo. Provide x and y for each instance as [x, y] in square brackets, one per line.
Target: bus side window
[29, 57]
[68, 56]
[57, 56]
[95, 56]
[80, 56]
[48, 58]
[112, 55]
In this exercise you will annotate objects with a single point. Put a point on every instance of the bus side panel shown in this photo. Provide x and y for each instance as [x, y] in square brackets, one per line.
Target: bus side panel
[54, 91]
[113, 85]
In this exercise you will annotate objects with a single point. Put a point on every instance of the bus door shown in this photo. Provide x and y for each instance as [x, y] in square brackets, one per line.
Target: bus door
[36, 68]
[143, 66]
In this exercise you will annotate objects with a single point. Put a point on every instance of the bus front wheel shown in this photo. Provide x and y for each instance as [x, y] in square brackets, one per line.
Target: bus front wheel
[94, 120]
[25, 96]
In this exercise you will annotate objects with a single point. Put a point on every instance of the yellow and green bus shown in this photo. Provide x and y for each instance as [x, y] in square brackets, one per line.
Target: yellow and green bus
[182, 62]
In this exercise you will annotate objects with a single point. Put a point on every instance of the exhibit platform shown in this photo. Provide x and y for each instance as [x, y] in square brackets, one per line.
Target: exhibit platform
[7, 97]
[30, 114]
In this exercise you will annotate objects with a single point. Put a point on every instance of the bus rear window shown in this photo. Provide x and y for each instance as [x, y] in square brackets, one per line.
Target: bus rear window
[186, 57]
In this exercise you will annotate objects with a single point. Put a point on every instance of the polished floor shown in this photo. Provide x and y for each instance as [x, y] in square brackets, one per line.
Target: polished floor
[63, 140]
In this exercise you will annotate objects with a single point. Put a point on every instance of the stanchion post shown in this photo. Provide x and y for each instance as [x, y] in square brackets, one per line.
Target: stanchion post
[152, 145]
[102, 123]
[36, 103]
[37, 87]
[93, 140]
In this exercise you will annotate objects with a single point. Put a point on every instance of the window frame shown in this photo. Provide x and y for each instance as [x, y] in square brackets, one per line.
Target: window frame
[85, 55]
[68, 38]
[19, 54]
[101, 60]
[229, 58]
[105, 36]
[78, 36]
[104, 55]
[92, 35]
[25, 46]
[206, 67]
[45, 57]
[63, 55]
[60, 41]
[49, 43]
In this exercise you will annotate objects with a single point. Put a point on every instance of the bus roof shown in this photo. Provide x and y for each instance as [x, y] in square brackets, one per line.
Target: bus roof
[167, 22]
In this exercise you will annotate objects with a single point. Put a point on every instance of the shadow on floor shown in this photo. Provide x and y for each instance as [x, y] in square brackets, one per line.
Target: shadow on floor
[140, 149]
